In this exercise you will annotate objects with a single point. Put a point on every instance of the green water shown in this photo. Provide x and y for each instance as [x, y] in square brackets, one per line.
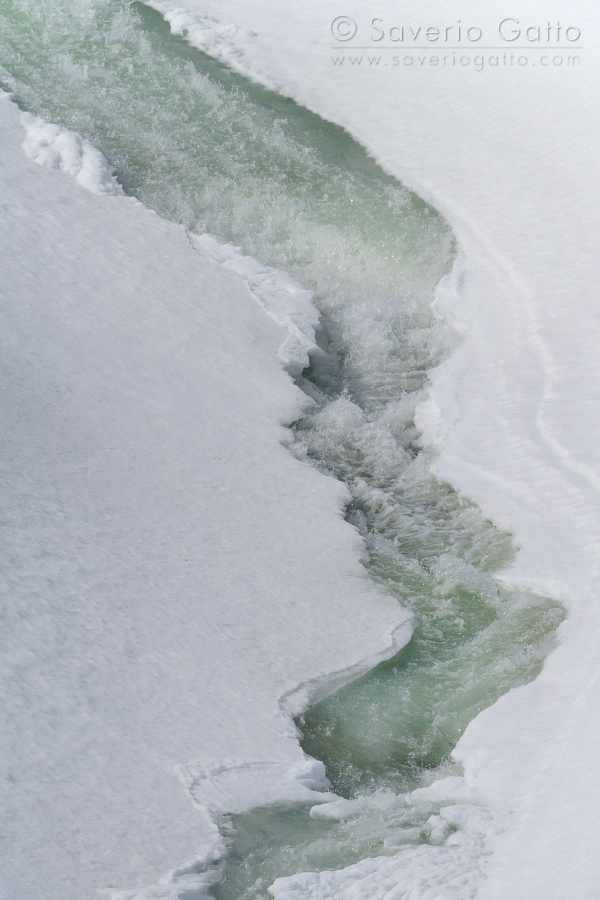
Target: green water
[206, 148]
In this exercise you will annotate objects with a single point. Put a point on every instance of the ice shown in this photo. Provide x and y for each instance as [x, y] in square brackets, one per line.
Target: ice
[283, 299]
[165, 558]
[56, 147]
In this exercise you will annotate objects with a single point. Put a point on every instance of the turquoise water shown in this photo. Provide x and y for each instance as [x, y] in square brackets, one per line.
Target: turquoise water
[206, 148]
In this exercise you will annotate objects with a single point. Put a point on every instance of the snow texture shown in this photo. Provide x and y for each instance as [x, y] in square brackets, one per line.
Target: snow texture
[58, 148]
[283, 299]
[221, 40]
[177, 581]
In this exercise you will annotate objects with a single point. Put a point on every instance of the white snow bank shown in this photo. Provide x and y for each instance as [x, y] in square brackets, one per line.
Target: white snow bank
[504, 143]
[173, 574]
[58, 148]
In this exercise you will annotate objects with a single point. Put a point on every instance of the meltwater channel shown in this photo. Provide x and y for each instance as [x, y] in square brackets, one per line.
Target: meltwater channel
[205, 147]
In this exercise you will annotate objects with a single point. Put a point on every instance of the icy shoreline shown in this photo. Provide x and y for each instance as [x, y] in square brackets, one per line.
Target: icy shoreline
[135, 425]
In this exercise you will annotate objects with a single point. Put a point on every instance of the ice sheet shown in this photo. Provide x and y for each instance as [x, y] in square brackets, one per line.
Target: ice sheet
[175, 583]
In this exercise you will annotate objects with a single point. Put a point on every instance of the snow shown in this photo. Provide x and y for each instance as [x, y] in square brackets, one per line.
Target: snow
[56, 147]
[207, 33]
[177, 583]
[508, 154]
[282, 298]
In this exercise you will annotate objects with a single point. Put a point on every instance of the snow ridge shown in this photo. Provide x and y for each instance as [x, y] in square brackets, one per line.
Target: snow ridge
[66, 151]
[209, 35]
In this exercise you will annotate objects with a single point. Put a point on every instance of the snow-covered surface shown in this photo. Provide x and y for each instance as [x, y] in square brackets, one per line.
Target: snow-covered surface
[58, 148]
[282, 298]
[508, 153]
[176, 583]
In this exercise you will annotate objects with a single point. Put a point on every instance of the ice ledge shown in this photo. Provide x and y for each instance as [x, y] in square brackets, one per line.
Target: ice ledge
[283, 299]
[66, 151]
[436, 417]
[237, 786]
[221, 41]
